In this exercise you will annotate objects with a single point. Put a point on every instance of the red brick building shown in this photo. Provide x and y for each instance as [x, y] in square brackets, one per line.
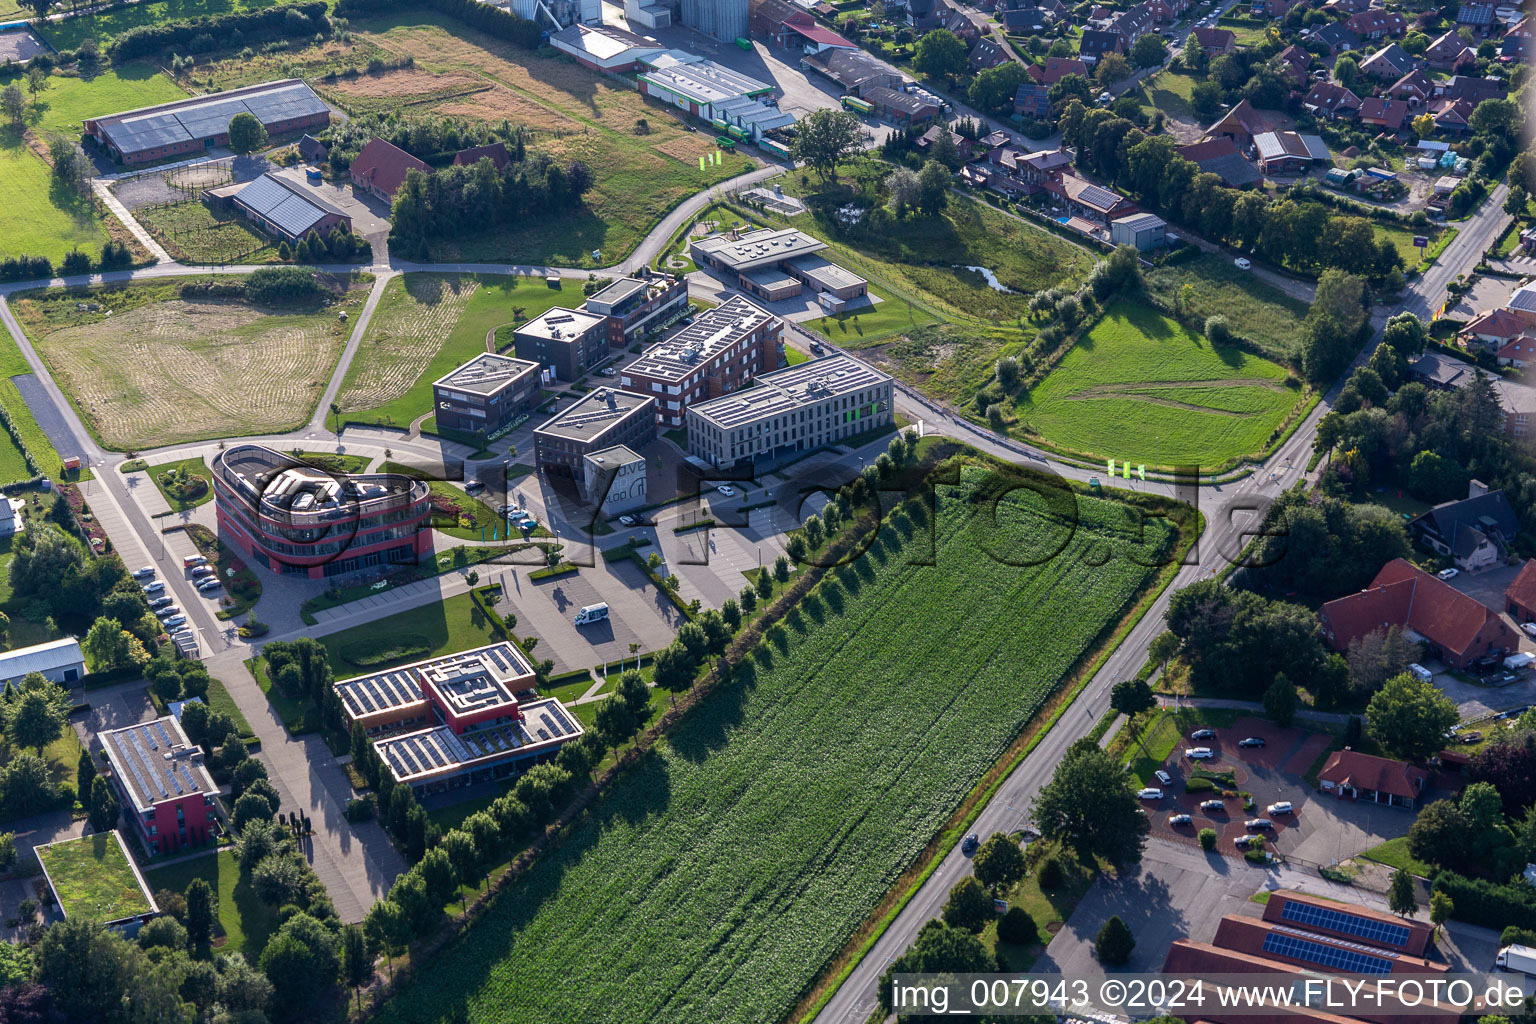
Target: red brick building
[717, 354]
[1457, 628]
[1379, 780]
[162, 783]
[380, 169]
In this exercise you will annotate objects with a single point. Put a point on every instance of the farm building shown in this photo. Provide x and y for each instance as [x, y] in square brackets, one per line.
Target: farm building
[496, 153]
[312, 149]
[202, 122]
[59, 660]
[1288, 152]
[720, 352]
[602, 418]
[380, 169]
[458, 720]
[715, 93]
[796, 409]
[570, 341]
[605, 48]
[1220, 156]
[160, 778]
[486, 393]
[282, 208]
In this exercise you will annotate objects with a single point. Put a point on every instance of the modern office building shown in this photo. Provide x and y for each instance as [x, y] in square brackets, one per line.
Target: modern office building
[635, 306]
[600, 419]
[292, 518]
[458, 720]
[796, 409]
[485, 394]
[720, 352]
[615, 480]
[200, 123]
[571, 341]
[162, 783]
[775, 264]
[60, 660]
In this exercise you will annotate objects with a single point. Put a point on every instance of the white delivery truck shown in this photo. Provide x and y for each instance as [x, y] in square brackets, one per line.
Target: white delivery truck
[592, 613]
[1517, 662]
[1517, 958]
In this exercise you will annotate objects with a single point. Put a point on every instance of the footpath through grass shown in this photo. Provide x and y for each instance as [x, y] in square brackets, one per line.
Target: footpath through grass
[738, 857]
[1141, 387]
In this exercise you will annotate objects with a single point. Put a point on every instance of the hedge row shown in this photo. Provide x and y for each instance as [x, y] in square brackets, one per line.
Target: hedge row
[1481, 902]
[147, 40]
[493, 21]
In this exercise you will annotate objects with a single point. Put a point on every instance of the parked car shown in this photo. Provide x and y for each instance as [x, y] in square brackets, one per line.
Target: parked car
[1242, 841]
[1199, 753]
[209, 585]
[1242, 263]
[1203, 734]
[191, 560]
[167, 610]
[1279, 807]
[1258, 824]
[160, 602]
[628, 520]
[198, 572]
[1530, 629]
[608, 371]
[1163, 777]
[726, 489]
[1213, 805]
[1251, 741]
[155, 587]
[969, 843]
[1179, 819]
[175, 620]
[474, 487]
[1447, 574]
[1150, 793]
[144, 573]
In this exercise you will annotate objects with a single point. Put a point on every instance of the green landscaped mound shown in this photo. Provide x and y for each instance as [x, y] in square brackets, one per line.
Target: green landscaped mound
[1143, 388]
[93, 878]
[718, 877]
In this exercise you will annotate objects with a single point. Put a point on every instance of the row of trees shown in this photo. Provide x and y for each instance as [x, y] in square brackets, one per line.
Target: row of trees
[114, 255]
[432, 206]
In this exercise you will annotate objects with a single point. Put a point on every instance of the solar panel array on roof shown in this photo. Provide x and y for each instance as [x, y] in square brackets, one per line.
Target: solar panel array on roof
[1098, 197]
[1367, 928]
[293, 214]
[441, 750]
[382, 691]
[209, 117]
[1296, 946]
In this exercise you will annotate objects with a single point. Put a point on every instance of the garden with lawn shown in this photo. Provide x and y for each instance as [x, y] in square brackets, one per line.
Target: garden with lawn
[192, 232]
[1255, 309]
[735, 859]
[244, 921]
[1140, 387]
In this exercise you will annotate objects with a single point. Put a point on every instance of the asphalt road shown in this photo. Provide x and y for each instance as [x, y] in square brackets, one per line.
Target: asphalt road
[1231, 511]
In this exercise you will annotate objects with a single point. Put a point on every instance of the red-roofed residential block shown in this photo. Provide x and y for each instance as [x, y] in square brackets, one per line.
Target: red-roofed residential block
[1349, 773]
[1457, 628]
[1520, 595]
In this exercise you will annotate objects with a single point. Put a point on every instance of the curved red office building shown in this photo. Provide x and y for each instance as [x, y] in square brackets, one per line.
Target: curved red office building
[293, 518]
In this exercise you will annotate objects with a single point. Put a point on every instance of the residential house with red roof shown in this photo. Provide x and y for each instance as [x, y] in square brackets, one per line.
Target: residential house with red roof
[496, 153]
[1294, 63]
[1449, 52]
[1383, 113]
[380, 169]
[1057, 68]
[1520, 595]
[1518, 353]
[1216, 41]
[1092, 202]
[1494, 329]
[1389, 63]
[1381, 780]
[1376, 23]
[1457, 628]
[1331, 100]
[1452, 116]
[1241, 124]
[1414, 88]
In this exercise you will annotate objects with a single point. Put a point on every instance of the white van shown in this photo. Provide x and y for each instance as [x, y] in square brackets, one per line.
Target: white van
[1420, 673]
[591, 613]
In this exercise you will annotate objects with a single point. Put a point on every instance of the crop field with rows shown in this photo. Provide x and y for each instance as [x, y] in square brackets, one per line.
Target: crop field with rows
[717, 878]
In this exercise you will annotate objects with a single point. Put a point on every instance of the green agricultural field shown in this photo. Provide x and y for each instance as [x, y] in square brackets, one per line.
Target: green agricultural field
[244, 921]
[1254, 308]
[71, 98]
[68, 33]
[193, 233]
[1139, 386]
[37, 218]
[948, 361]
[733, 861]
[425, 325]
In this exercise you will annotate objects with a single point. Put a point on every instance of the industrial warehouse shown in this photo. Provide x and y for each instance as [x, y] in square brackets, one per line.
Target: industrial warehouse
[457, 720]
[192, 125]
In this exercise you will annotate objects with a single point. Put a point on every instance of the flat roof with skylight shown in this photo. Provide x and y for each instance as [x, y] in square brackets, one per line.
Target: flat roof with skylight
[711, 333]
[487, 373]
[560, 324]
[154, 762]
[593, 413]
[761, 248]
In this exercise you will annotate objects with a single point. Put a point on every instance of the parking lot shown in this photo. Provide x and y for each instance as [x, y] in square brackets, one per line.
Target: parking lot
[1320, 828]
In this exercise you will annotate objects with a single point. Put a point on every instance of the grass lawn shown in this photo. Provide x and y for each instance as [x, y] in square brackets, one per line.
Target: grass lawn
[36, 218]
[1157, 734]
[219, 699]
[1394, 853]
[93, 878]
[193, 233]
[1141, 387]
[71, 98]
[1256, 309]
[1402, 238]
[67, 33]
[1249, 32]
[949, 361]
[736, 858]
[452, 816]
[1169, 92]
[858, 327]
[244, 921]
[194, 468]
[1049, 908]
[150, 369]
[456, 624]
[575, 114]
[427, 324]
[13, 462]
[63, 754]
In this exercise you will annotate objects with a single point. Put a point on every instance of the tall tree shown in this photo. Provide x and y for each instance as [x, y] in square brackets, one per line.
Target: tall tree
[201, 913]
[969, 905]
[246, 133]
[85, 773]
[1410, 717]
[940, 54]
[36, 717]
[1400, 895]
[933, 187]
[302, 961]
[998, 862]
[1087, 804]
[1131, 697]
[1280, 700]
[826, 137]
[356, 963]
[1114, 943]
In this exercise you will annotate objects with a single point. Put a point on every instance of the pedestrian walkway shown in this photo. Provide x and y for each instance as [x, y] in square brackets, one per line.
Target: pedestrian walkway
[129, 221]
